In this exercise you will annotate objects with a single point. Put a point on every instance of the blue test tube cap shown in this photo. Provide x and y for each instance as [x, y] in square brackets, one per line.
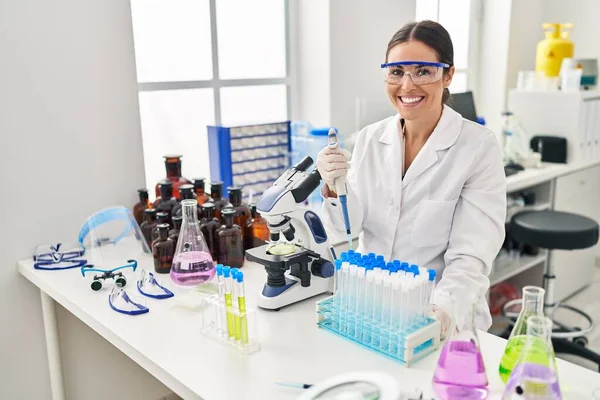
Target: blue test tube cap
[404, 266]
[239, 276]
[344, 257]
[360, 262]
[383, 266]
[226, 271]
[338, 264]
[371, 255]
[380, 257]
[234, 272]
[350, 252]
[390, 266]
[357, 254]
[432, 274]
[219, 269]
[414, 266]
[398, 263]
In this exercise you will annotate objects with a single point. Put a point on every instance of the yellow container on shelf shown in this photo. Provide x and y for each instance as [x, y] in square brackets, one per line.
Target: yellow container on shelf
[552, 50]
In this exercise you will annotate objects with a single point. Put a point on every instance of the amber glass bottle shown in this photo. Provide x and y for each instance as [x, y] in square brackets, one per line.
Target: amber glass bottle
[216, 194]
[143, 204]
[187, 193]
[174, 233]
[242, 211]
[256, 231]
[201, 196]
[163, 249]
[149, 225]
[166, 202]
[231, 247]
[208, 227]
[173, 167]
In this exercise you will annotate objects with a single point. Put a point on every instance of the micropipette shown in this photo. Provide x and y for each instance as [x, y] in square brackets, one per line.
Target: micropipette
[340, 187]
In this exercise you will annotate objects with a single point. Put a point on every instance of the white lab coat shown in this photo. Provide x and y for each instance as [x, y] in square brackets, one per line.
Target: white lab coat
[447, 213]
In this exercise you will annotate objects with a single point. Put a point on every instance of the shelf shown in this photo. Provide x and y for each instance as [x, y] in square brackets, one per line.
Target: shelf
[500, 274]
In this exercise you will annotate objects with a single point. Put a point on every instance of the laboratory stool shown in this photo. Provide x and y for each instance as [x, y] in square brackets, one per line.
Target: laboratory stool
[556, 230]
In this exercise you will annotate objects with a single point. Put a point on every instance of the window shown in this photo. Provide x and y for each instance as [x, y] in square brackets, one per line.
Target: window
[206, 62]
[461, 19]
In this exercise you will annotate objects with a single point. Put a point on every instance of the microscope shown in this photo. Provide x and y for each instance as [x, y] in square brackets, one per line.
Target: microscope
[298, 258]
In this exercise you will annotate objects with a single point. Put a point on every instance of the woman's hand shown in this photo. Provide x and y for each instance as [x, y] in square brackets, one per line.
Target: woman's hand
[444, 319]
[331, 164]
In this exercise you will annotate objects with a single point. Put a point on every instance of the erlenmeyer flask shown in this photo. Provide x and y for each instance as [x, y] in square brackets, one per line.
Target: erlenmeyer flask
[534, 375]
[533, 304]
[192, 263]
[460, 373]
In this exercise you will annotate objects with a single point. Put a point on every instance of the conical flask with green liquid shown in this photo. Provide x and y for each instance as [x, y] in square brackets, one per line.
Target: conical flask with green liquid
[532, 305]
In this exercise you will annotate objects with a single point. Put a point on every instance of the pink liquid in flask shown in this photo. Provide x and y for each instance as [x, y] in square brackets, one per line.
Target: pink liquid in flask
[460, 373]
[192, 267]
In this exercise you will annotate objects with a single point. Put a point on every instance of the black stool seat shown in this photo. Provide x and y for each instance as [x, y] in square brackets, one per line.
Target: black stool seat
[554, 230]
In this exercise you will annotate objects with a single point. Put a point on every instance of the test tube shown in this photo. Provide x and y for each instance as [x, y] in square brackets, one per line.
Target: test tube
[359, 309]
[377, 270]
[395, 315]
[431, 284]
[222, 316]
[368, 305]
[229, 302]
[343, 301]
[241, 297]
[377, 298]
[237, 323]
[351, 300]
[336, 278]
[386, 307]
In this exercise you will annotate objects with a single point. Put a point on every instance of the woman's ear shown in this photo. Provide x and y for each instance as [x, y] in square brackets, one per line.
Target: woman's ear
[448, 77]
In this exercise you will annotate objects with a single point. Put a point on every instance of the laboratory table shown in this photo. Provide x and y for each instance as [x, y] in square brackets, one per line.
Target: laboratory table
[167, 343]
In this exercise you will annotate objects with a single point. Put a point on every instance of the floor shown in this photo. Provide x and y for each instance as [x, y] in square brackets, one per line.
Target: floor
[588, 301]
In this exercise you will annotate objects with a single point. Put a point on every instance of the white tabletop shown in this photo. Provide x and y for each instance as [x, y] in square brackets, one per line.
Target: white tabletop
[534, 176]
[167, 343]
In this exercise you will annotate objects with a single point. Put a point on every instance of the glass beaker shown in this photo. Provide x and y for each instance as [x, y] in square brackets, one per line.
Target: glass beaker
[192, 263]
[460, 373]
[533, 304]
[231, 248]
[534, 375]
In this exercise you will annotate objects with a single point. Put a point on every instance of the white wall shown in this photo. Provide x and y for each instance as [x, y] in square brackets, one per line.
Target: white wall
[71, 144]
[342, 43]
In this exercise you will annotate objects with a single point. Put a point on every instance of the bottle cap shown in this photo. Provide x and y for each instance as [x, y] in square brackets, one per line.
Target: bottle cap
[150, 212]
[240, 276]
[162, 217]
[163, 227]
[177, 219]
[234, 190]
[187, 192]
[199, 183]
[208, 206]
[227, 212]
[216, 187]
[166, 189]
[432, 274]
[143, 193]
[226, 271]
[172, 156]
[338, 264]
[219, 269]
[398, 263]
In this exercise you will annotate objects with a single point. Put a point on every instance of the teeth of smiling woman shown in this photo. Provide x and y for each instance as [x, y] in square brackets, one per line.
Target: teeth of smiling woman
[411, 100]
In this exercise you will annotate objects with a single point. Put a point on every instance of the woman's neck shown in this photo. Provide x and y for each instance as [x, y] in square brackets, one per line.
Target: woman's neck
[419, 130]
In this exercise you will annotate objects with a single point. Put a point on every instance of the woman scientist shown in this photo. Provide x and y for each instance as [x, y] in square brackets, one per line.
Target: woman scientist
[425, 186]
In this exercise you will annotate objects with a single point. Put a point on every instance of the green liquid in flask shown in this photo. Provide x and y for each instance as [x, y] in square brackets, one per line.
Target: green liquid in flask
[514, 347]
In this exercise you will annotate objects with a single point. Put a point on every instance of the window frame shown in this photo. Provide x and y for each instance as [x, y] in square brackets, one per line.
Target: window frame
[216, 83]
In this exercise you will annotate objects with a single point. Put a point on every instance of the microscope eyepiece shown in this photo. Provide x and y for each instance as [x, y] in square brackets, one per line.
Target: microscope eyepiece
[303, 164]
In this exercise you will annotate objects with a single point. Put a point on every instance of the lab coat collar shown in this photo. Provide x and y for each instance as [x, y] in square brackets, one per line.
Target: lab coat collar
[443, 136]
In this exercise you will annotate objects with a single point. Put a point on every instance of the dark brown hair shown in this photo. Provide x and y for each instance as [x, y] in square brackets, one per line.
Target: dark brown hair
[433, 35]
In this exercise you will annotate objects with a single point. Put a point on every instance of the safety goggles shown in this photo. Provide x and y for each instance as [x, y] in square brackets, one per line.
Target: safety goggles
[58, 257]
[420, 72]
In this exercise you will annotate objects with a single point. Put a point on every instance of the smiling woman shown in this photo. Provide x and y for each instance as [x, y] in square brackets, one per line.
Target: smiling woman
[424, 186]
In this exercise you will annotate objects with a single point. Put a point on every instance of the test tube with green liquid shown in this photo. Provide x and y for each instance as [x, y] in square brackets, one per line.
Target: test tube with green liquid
[242, 327]
[237, 323]
[229, 302]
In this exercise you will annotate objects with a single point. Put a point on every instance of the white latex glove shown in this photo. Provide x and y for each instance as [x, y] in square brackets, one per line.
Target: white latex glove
[331, 164]
[444, 319]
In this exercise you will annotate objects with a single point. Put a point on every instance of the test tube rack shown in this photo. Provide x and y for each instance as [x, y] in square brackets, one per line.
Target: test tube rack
[406, 345]
[227, 325]
[251, 156]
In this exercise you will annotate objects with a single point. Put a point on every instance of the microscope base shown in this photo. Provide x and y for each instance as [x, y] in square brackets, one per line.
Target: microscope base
[293, 292]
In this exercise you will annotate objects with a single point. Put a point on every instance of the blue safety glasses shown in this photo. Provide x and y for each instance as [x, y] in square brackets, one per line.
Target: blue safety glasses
[420, 72]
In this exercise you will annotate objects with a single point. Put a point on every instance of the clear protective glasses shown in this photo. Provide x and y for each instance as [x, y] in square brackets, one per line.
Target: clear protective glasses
[421, 72]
